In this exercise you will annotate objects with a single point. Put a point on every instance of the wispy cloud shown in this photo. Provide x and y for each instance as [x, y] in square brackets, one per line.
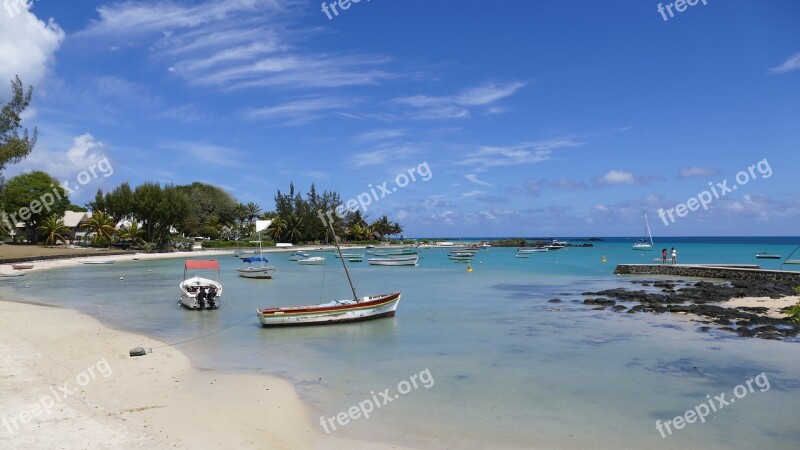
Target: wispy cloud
[621, 177]
[534, 187]
[378, 135]
[232, 44]
[791, 64]
[299, 111]
[697, 172]
[459, 105]
[528, 153]
[205, 152]
[474, 178]
[383, 155]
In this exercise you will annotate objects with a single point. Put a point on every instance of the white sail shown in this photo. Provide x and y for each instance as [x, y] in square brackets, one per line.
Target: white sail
[262, 225]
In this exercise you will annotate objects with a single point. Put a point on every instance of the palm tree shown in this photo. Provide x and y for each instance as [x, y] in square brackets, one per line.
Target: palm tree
[133, 232]
[276, 229]
[395, 228]
[382, 226]
[292, 231]
[360, 232]
[253, 211]
[101, 225]
[240, 214]
[54, 230]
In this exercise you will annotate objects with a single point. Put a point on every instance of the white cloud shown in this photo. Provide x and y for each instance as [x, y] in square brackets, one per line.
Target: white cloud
[383, 155]
[202, 151]
[471, 194]
[474, 178]
[697, 172]
[84, 152]
[791, 64]
[231, 44]
[27, 45]
[621, 177]
[299, 111]
[458, 106]
[378, 135]
[527, 153]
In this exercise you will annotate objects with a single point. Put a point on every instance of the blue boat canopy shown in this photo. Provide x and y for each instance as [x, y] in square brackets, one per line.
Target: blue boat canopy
[256, 259]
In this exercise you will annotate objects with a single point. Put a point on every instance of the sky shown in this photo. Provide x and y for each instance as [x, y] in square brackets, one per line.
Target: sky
[512, 118]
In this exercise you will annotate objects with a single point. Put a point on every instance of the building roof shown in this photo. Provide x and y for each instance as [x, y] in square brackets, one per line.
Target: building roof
[73, 218]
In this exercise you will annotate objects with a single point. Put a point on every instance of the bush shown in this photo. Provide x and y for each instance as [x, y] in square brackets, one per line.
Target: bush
[149, 247]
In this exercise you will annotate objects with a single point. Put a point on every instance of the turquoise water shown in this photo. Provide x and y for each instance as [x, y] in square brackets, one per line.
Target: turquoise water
[510, 369]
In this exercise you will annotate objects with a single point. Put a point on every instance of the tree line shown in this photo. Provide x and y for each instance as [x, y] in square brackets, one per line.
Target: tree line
[154, 214]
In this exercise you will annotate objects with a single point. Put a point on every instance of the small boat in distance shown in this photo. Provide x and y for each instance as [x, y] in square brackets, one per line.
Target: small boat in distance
[523, 255]
[100, 261]
[244, 253]
[398, 261]
[312, 261]
[350, 255]
[22, 266]
[556, 245]
[261, 271]
[766, 256]
[297, 256]
[643, 244]
[198, 292]
[532, 250]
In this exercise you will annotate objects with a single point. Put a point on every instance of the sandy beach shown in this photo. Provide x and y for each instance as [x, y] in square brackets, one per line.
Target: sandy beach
[774, 305]
[68, 382]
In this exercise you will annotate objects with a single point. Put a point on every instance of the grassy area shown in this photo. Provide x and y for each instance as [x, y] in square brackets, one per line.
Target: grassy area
[22, 251]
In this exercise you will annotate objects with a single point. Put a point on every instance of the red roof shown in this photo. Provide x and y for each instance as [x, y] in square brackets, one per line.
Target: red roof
[202, 264]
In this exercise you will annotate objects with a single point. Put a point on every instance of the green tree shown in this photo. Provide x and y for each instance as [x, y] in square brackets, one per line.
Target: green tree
[133, 233]
[13, 146]
[206, 200]
[159, 209]
[32, 197]
[382, 226]
[54, 230]
[102, 226]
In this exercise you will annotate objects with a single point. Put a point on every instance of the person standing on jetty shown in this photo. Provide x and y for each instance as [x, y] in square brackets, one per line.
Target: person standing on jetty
[663, 256]
[674, 256]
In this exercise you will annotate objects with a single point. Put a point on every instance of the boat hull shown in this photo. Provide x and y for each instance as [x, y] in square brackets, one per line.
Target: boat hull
[313, 261]
[22, 266]
[256, 273]
[345, 311]
[189, 293]
[393, 261]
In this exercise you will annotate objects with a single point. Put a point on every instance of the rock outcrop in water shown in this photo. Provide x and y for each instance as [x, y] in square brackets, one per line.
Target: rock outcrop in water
[701, 299]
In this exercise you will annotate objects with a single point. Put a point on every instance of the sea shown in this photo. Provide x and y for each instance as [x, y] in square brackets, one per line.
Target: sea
[476, 359]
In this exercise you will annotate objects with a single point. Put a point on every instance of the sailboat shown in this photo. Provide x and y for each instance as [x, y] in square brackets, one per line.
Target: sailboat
[338, 311]
[261, 271]
[643, 243]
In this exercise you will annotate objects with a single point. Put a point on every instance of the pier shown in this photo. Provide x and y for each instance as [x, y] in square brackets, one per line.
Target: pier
[725, 271]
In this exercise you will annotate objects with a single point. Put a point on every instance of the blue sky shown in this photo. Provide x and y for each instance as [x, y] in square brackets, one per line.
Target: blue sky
[535, 118]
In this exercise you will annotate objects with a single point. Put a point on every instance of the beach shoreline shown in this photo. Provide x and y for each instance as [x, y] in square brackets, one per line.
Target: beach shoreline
[156, 400]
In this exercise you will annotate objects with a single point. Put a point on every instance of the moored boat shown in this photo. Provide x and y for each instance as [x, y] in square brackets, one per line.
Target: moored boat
[22, 266]
[100, 261]
[260, 271]
[643, 244]
[198, 292]
[398, 261]
[340, 311]
[312, 261]
[297, 256]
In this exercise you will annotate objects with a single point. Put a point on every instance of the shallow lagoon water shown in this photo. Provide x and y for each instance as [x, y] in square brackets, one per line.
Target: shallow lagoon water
[509, 368]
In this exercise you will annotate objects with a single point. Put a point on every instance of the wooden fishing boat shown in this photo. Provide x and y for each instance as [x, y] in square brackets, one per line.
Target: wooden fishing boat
[100, 261]
[22, 266]
[399, 261]
[341, 311]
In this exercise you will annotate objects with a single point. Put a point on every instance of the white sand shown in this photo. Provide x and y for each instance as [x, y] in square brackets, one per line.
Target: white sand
[153, 401]
[775, 305]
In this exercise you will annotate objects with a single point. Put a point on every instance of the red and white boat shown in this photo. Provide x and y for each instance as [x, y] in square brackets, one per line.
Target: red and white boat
[341, 311]
[198, 292]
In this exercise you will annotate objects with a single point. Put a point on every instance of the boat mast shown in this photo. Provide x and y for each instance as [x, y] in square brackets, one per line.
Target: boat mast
[336, 243]
[647, 224]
